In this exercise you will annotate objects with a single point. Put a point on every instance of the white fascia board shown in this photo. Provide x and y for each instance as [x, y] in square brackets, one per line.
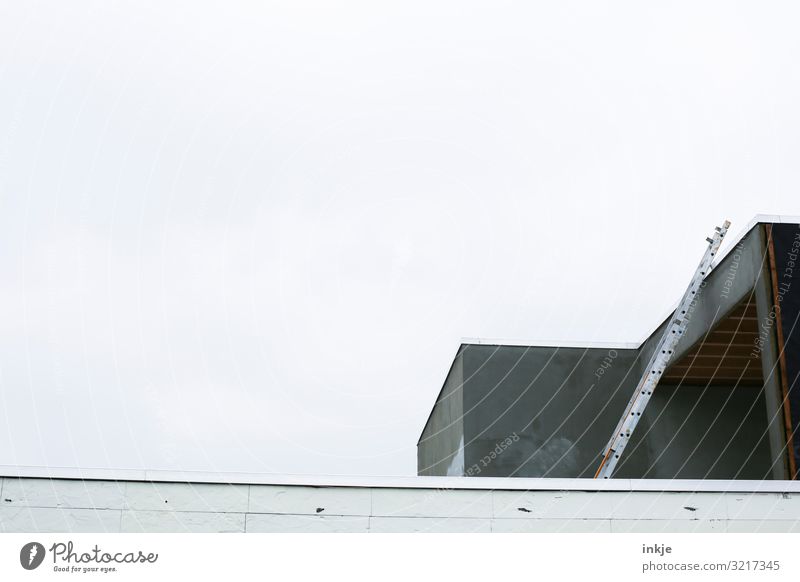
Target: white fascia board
[549, 343]
[404, 482]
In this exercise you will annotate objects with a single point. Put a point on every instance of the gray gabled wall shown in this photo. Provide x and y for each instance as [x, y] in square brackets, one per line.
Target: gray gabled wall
[441, 447]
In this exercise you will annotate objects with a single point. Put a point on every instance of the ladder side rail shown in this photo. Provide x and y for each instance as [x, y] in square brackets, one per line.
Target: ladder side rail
[660, 348]
[658, 361]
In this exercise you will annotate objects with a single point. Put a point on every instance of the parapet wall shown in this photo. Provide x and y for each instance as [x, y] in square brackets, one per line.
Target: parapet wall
[399, 505]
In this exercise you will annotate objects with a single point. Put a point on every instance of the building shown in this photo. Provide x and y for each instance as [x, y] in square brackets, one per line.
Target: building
[71, 500]
[726, 408]
[715, 450]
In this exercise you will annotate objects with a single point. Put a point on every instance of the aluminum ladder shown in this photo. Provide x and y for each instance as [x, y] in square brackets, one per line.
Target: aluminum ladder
[658, 362]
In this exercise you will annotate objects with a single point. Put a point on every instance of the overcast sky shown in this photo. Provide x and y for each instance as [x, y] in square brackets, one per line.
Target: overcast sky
[250, 238]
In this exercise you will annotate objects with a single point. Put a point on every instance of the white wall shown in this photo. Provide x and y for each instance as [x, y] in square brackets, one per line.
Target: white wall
[72, 505]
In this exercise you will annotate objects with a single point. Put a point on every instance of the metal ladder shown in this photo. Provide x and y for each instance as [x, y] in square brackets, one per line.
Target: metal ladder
[658, 362]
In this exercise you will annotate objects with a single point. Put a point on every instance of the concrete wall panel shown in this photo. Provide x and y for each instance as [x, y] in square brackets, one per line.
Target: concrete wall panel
[667, 526]
[551, 505]
[181, 522]
[310, 500]
[269, 523]
[431, 503]
[63, 493]
[551, 525]
[57, 520]
[758, 526]
[428, 525]
[701, 432]
[668, 506]
[187, 497]
[767, 506]
[557, 405]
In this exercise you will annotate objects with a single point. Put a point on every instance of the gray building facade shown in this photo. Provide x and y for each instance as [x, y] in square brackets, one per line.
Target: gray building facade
[724, 409]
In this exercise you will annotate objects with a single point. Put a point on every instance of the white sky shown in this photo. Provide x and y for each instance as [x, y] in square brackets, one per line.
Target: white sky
[250, 238]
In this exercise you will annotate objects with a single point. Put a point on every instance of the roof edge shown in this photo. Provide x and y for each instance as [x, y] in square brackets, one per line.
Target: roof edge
[404, 482]
[550, 343]
[439, 394]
